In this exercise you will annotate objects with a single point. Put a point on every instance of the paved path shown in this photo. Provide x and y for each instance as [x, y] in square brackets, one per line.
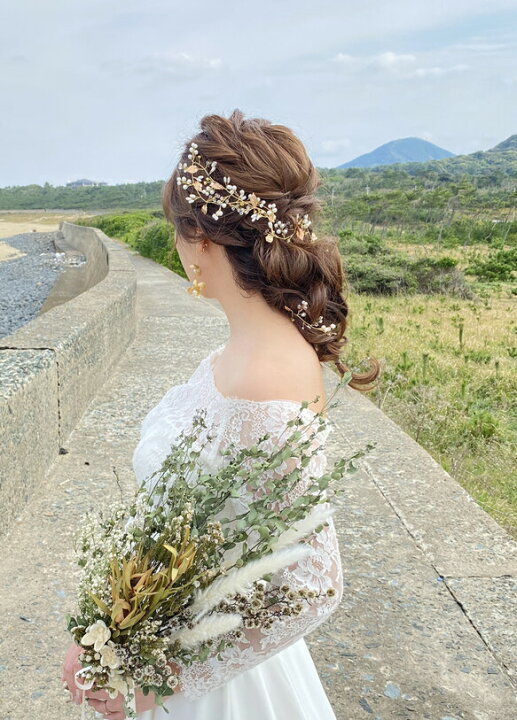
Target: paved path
[425, 626]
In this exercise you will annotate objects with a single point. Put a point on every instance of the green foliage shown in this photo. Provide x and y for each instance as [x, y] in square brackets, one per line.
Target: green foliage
[108, 197]
[154, 241]
[125, 226]
[500, 265]
[146, 231]
[372, 267]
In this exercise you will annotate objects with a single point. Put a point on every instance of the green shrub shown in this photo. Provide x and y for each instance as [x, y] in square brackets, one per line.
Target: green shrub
[371, 267]
[372, 275]
[124, 226]
[482, 424]
[360, 244]
[499, 265]
[154, 241]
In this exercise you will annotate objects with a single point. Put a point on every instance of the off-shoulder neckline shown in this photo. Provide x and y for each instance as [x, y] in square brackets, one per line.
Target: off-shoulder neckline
[235, 399]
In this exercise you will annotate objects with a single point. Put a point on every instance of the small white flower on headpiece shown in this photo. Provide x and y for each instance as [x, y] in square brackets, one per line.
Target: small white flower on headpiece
[206, 190]
[319, 325]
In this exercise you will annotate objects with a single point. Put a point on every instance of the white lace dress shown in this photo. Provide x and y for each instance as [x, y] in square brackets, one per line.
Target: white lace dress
[270, 675]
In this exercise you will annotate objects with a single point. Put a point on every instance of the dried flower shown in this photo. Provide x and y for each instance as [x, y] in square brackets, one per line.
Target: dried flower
[97, 635]
[109, 657]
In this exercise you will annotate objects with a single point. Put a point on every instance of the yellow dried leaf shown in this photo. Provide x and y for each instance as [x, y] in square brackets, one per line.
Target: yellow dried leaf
[171, 549]
[117, 611]
[131, 619]
[143, 579]
[127, 568]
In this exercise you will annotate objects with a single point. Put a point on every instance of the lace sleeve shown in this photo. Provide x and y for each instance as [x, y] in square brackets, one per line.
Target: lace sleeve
[243, 425]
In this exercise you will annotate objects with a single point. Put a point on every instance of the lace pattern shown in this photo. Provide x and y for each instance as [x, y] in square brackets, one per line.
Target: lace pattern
[242, 422]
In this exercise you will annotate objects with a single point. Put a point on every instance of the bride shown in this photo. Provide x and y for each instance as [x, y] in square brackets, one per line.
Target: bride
[241, 201]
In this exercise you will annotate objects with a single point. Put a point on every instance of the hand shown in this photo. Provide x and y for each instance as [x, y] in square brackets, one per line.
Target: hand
[112, 709]
[102, 703]
[71, 665]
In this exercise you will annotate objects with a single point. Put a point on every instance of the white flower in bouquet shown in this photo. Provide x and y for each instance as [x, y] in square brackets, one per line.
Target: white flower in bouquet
[117, 684]
[97, 635]
[109, 657]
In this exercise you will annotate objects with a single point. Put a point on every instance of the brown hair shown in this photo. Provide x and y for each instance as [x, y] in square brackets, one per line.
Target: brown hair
[270, 161]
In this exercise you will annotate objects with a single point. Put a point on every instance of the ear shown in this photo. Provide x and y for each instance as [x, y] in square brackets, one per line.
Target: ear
[204, 244]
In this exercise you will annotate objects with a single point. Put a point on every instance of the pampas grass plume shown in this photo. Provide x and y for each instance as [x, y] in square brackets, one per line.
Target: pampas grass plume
[206, 629]
[241, 578]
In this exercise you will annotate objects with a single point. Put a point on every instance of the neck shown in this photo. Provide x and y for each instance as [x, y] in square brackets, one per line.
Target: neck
[253, 322]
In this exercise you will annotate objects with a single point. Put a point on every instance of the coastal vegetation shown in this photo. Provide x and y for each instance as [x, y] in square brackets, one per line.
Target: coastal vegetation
[430, 257]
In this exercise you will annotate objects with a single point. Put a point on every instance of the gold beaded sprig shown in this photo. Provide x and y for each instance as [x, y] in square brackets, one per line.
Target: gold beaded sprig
[301, 314]
[206, 189]
[197, 285]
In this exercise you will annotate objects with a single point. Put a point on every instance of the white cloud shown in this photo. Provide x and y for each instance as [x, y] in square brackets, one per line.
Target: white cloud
[175, 65]
[384, 61]
[438, 71]
[344, 59]
[392, 60]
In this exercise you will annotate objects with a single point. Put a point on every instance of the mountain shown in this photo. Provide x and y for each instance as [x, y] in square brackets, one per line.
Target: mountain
[508, 144]
[494, 164]
[411, 149]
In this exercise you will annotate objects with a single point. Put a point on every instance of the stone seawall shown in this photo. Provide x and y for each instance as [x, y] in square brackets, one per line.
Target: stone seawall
[52, 367]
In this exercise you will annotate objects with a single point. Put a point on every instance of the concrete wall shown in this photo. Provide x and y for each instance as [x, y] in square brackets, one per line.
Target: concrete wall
[52, 367]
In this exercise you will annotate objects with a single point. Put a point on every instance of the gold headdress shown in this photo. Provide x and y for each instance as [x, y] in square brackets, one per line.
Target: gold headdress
[207, 188]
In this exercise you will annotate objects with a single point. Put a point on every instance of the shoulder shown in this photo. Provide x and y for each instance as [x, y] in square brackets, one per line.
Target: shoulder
[278, 373]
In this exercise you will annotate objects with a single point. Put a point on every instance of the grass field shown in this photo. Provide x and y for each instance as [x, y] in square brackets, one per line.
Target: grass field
[449, 381]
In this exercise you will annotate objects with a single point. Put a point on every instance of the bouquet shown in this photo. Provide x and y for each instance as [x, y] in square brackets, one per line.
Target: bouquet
[168, 578]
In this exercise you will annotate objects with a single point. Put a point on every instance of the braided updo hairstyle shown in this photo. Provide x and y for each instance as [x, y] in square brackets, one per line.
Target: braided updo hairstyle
[270, 161]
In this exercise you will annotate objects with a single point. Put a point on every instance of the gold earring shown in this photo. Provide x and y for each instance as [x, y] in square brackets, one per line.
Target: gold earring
[197, 286]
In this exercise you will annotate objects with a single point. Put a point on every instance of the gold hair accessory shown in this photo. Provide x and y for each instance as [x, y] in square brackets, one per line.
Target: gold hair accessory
[302, 312]
[197, 286]
[206, 189]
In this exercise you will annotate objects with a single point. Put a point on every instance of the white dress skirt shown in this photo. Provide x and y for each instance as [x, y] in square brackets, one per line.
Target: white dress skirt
[270, 675]
[286, 686]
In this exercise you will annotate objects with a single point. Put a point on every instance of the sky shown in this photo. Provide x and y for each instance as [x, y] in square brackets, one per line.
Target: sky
[112, 91]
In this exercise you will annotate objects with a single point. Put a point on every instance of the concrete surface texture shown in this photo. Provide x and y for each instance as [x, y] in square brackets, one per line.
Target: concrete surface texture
[426, 628]
[51, 367]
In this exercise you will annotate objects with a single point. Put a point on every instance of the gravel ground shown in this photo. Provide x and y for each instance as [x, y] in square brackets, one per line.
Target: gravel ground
[25, 282]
